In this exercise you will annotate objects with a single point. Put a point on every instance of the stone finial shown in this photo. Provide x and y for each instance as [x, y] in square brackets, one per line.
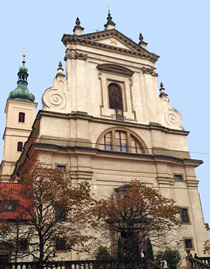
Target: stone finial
[60, 70]
[162, 91]
[60, 66]
[110, 24]
[78, 30]
[141, 41]
[141, 38]
[77, 22]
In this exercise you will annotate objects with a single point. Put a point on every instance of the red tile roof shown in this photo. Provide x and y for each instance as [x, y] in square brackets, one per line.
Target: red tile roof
[12, 192]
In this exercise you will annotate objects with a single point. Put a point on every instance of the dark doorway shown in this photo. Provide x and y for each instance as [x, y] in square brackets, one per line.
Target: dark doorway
[3, 261]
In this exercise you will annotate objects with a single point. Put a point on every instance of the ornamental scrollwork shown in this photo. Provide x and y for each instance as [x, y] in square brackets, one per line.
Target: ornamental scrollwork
[52, 98]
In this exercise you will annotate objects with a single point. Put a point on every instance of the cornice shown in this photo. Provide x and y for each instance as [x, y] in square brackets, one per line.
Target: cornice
[108, 154]
[84, 115]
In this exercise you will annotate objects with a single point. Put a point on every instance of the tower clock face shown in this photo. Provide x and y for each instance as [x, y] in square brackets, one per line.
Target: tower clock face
[115, 96]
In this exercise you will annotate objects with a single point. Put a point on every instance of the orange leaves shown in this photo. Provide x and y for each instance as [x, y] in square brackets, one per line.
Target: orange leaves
[137, 209]
[54, 208]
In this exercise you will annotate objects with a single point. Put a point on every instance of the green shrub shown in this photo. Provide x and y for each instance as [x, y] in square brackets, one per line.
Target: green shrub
[173, 257]
[103, 254]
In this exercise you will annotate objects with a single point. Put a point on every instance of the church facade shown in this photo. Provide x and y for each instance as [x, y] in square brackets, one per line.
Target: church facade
[106, 122]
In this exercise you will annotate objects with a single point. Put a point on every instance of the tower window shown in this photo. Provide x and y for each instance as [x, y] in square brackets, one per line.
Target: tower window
[19, 146]
[121, 141]
[21, 117]
[115, 96]
[178, 177]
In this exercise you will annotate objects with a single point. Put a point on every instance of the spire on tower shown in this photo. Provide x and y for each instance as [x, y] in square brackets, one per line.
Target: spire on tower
[22, 92]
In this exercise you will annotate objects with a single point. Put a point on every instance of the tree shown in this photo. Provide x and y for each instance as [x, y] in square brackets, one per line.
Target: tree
[103, 254]
[136, 212]
[49, 214]
[149, 250]
[172, 256]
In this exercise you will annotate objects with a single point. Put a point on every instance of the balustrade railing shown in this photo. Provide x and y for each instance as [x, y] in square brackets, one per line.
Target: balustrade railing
[88, 264]
[197, 262]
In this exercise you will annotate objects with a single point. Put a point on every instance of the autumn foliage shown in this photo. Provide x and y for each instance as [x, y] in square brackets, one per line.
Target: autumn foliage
[135, 212]
[50, 213]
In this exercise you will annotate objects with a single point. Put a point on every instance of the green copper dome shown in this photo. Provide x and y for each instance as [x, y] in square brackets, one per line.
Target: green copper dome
[21, 92]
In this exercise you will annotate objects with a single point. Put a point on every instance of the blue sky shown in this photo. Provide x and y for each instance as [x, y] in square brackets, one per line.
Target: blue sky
[178, 31]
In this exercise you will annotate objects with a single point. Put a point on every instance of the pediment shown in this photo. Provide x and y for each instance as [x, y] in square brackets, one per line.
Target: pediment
[111, 40]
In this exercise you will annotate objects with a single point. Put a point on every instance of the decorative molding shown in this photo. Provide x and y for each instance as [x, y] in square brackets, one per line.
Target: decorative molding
[52, 98]
[115, 69]
[173, 118]
[73, 54]
[149, 71]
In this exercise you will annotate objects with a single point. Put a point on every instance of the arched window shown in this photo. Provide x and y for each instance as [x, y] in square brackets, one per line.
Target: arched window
[21, 117]
[115, 96]
[120, 140]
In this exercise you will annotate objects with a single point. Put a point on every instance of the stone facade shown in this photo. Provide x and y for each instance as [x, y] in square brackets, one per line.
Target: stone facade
[142, 139]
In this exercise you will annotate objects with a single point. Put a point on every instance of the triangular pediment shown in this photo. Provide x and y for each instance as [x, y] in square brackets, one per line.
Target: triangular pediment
[111, 40]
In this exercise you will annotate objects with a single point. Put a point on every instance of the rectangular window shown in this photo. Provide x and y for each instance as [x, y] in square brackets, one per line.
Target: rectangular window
[61, 168]
[121, 141]
[19, 146]
[178, 177]
[23, 245]
[60, 214]
[21, 117]
[184, 215]
[60, 244]
[188, 243]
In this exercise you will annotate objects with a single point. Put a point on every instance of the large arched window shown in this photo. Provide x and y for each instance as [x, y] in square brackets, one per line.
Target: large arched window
[121, 141]
[115, 96]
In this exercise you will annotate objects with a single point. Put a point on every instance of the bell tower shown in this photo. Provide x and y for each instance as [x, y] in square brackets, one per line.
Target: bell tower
[20, 114]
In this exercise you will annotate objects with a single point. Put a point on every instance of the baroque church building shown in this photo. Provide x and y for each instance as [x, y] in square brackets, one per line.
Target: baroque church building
[106, 121]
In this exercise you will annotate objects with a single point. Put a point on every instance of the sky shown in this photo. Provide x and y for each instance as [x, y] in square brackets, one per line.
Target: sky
[176, 30]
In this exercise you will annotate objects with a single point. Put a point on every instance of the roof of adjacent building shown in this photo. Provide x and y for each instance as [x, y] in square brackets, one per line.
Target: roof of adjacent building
[14, 201]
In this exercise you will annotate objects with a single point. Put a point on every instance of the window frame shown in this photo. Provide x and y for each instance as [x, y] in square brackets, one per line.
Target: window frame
[61, 167]
[20, 146]
[185, 217]
[25, 241]
[101, 142]
[178, 175]
[21, 117]
[60, 214]
[57, 244]
[190, 239]
[118, 106]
